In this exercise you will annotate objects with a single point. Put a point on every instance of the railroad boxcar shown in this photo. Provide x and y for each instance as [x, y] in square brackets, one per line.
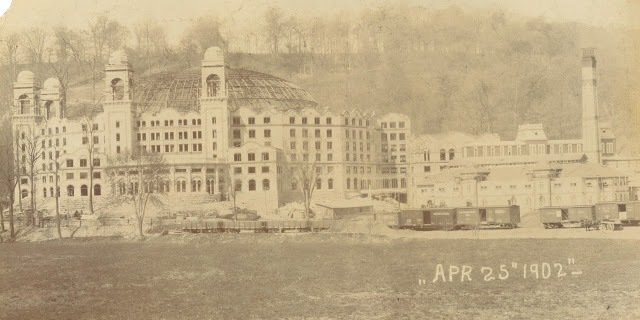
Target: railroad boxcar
[443, 218]
[626, 212]
[503, 217]
[416, 219]
[558, 217]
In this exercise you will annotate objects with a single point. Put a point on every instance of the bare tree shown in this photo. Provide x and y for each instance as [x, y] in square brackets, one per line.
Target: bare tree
[54, 168]
[274, 28]
[34, 41]
[32, 146]
[151, 41]
[137, 178]
[90, 141]
[306, 174]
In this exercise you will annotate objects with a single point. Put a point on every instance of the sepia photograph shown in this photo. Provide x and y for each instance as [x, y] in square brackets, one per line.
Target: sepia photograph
[305, 159]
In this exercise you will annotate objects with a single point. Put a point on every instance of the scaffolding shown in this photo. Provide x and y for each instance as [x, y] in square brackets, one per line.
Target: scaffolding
[181, 91]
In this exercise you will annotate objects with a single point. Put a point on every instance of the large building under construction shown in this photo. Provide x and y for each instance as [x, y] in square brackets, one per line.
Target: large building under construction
[218, 128]
[223, 129]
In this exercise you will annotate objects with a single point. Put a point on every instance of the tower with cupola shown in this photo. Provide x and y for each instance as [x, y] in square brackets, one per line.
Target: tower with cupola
[119, 109]
[213, 104]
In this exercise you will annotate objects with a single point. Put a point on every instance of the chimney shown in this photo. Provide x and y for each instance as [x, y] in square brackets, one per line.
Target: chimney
[590, 131]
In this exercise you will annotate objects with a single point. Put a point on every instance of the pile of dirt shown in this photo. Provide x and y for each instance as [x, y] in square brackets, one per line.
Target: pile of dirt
[361, 227]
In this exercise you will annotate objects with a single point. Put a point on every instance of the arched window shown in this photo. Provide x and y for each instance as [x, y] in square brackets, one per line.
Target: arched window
[84, 190]
[97, 190]
[348, 183]
[355, 183]
[51, 192]
[252, 185]
[211, 186]
[330, 184]
[47, 109]
[196, 185]
[265, 184]
[213, 85]
[443, 155]
[70, 190]
[24, 104]
[237, 186]
[318, 183]
[44, 192]
[117, 89]
[452, 154]
[122, 188]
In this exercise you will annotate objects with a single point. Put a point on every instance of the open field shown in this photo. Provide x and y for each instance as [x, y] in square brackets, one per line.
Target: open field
[245, 276]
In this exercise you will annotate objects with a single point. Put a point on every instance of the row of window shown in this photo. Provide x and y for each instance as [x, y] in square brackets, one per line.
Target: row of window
[305, 133]
[392, 125]
[303, 120]
[83, 163]
[394, 148]
[393, 159]
[353, 122]
[237, 134]
[391, 136]
[251, 170]
[237, 121]
[167, 123]
[305, 157]
[305, 145]
[50, 130]
[360, 136]
[250, 156]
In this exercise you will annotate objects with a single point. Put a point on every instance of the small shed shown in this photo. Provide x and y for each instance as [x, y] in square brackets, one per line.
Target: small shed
[341, 209]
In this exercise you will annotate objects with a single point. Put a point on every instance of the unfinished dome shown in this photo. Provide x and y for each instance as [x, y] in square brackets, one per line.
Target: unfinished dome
[181, 91]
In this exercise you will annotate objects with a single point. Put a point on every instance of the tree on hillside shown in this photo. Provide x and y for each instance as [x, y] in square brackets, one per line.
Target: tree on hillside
[200, 36]
[9, 173]
[151, 42]
[137, 178]
[34, 42]
[274, 28]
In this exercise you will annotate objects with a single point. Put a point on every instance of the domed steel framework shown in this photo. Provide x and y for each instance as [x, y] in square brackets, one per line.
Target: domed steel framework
[181, 91]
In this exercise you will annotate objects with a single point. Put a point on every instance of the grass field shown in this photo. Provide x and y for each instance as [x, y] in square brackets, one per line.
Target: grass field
[246, 276]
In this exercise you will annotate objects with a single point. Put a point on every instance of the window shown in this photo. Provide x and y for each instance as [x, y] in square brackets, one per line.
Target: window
[292, 145]
[329, 156]
[401, 136]
[213, 85]
[304, 120]
[96, 175]
[70, 190]
[252, 133]
[252, 185]
[427, 168]
[292, 120]
[117, 137]
[237, 157]
[83, 163]
[329, 145]
[236, 134]
[117, 89]
[237, 186]
[267, 120]
[69, 163]
[252, 156]
[328, 120]
[84, 190]
[252, 120]
[267, 133]
[265, 184]
[443, 155]
[451, 154]
[213, 120]
[292, 133]
[97, 190]
[236, 120]
[265, 156]
[317, 133]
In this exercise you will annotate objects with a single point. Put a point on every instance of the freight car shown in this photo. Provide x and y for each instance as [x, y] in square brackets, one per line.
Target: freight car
[458, 218]
[627, 212]
[489, 217]
[562, 217]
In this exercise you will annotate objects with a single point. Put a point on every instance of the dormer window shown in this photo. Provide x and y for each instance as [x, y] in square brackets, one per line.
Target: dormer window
[213, 85]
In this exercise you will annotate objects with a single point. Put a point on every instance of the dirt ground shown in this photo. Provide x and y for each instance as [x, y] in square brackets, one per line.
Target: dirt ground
[329, 276]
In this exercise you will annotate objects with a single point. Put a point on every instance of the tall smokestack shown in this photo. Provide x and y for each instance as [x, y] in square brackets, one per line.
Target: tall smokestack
[590, 131]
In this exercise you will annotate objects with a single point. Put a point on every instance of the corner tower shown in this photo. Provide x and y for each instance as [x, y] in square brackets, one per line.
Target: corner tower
[26, 102]
[118, 105]
[213, 104]
[590, 131]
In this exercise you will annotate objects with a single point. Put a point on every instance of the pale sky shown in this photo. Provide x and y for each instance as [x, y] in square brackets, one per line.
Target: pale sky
[175, 14]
